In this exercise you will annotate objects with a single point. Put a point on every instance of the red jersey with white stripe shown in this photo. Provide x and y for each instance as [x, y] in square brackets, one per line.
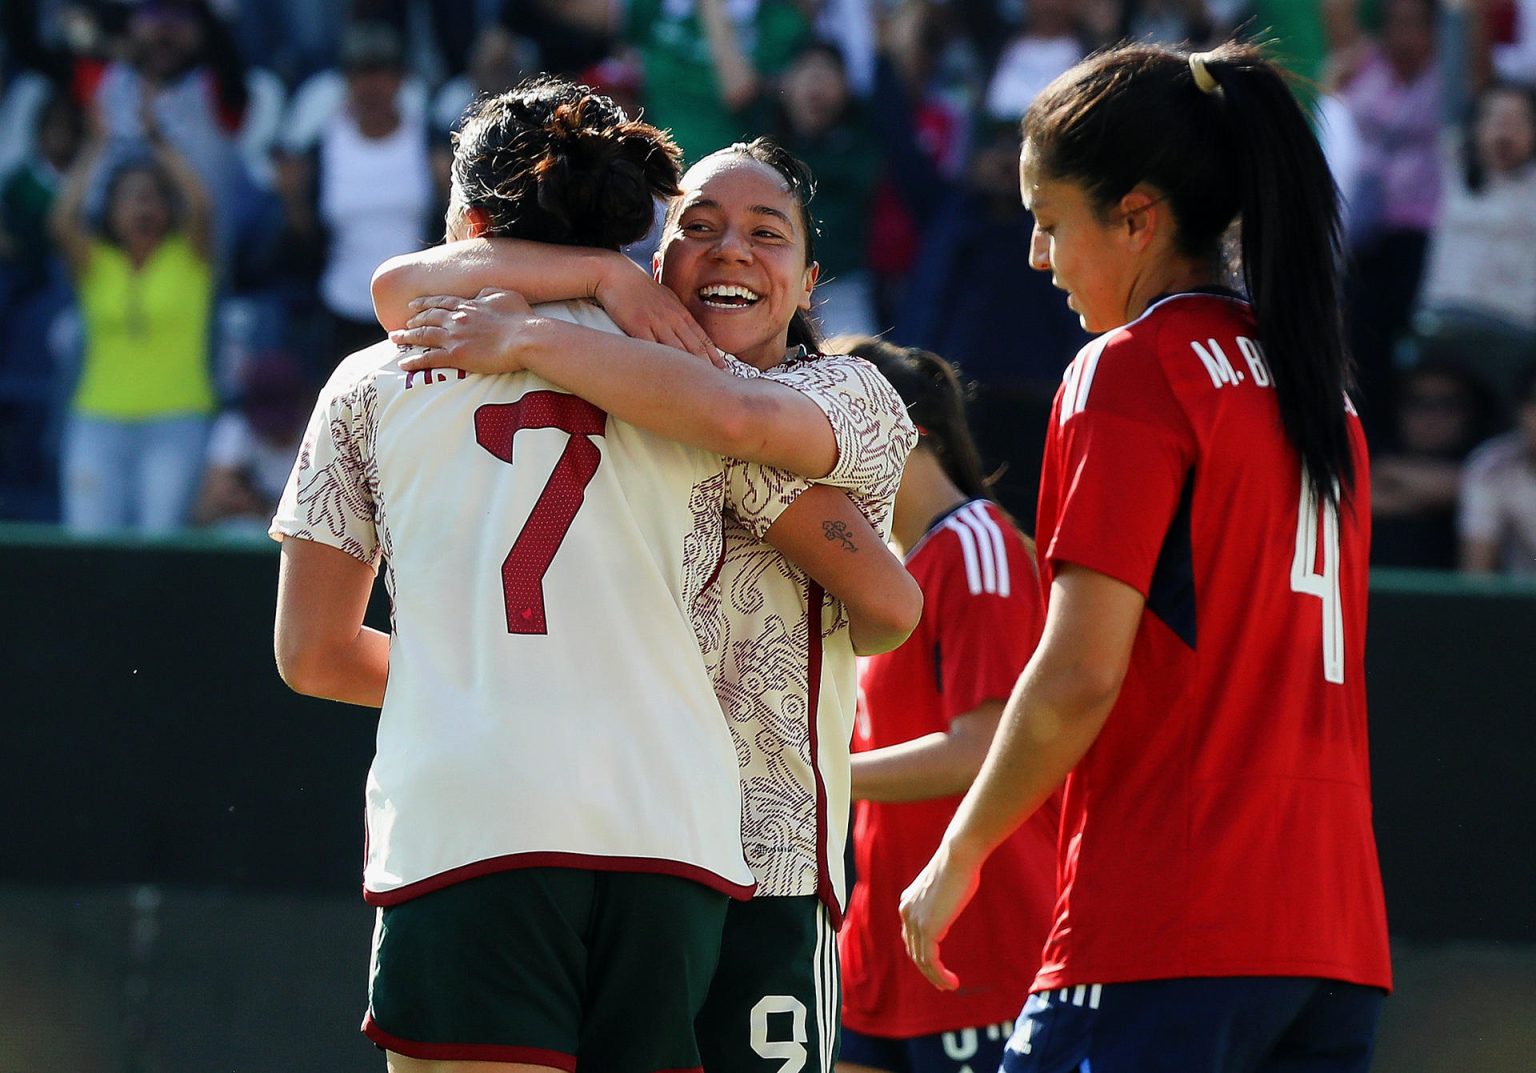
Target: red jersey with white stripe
[1220, 824]
[982, 614]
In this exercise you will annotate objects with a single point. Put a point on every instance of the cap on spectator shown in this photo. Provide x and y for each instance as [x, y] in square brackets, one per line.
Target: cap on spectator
[371, 46]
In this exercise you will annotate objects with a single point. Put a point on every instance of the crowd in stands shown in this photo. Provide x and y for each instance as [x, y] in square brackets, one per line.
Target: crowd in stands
[194, 194]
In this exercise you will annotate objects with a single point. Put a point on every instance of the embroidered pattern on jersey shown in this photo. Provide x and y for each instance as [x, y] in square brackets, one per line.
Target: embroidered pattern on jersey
[762, 675]
[338, 482]
[701, 565]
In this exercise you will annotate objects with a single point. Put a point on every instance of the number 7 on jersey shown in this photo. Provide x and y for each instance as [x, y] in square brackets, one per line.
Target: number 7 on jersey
[496, 425]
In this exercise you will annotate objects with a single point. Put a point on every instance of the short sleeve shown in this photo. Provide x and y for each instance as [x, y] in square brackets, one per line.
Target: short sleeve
[988, 622]
[758, 494]
[332, 493]
[1123, 450]
[874, 435]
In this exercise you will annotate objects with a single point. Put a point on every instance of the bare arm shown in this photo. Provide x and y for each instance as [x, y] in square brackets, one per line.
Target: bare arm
[1056, 711]
[1479, 556]
[940, 764]
[193, 194]
[640, 306]
[659, 388]
[322, 647]
[825, 535]
[66, 218]
[737, 78]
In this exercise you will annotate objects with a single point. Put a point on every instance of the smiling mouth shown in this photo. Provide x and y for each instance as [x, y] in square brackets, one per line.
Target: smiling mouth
[728, 296]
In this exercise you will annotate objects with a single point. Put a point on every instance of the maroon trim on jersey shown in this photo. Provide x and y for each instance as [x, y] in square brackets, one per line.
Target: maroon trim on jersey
[467, 1052]
[554, 859]
[814, 597]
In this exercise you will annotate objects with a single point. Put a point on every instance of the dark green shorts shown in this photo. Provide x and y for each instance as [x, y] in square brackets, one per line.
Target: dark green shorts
[564, 967]
[776, 999]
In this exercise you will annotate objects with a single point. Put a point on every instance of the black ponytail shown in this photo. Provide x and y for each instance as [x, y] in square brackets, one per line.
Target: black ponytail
[1239, 149]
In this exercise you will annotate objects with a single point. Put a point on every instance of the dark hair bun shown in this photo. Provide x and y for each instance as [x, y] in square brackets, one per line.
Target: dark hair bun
[555, 162]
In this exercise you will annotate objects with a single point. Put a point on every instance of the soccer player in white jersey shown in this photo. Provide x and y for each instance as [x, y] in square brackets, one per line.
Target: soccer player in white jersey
[552, 811]
[737, 252]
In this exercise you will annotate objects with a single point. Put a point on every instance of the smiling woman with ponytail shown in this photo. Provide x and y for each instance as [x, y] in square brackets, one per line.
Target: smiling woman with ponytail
[1203, 528]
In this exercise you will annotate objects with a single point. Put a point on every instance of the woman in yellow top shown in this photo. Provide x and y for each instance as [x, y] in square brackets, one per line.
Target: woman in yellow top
[138, 421]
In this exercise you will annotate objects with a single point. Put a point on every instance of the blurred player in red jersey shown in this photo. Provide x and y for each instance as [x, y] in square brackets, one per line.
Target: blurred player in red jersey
[928, 711]
[1204, 525]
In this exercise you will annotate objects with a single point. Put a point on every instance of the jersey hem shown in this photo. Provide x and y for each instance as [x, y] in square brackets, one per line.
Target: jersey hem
[908, 1030]
[1126, 975]
[554, 859]
[467, 1052]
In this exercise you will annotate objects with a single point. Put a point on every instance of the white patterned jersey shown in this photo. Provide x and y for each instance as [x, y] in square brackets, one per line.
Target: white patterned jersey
[548, 703]
[786, 679]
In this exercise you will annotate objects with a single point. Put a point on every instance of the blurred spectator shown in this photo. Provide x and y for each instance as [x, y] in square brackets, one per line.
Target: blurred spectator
[181, 72]
[1169, 21]
[27, 192]
[570, 36]
[706, 63]
[497, 61]
[1394, 98]
[321, 97]
[1497, 517]
[851, 25]
[366, 192]
[1051, 41]
[34, 288]
[1478, 301]
[1514, 40]
[47, 56]
[451, 26]
[253, 445]
[133, 446]
[292, 38]
[267, 100]
[816, 118]
[1442, 411]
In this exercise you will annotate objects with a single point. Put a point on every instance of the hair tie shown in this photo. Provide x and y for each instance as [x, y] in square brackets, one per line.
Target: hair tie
[1203, 77]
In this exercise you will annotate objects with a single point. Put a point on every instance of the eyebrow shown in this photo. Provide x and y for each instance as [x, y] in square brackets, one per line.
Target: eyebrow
[761, 210]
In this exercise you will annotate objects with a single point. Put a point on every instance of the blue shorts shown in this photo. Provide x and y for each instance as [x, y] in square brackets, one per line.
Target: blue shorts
[978, 1050]
[1230, 1024]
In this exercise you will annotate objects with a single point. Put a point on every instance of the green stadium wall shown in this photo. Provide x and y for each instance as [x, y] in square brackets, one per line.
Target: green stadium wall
[148, 740]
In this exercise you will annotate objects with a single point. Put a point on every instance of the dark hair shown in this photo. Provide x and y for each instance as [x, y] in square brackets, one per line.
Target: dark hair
[803, 329]
[1471, 163]
[551, 161]
[935, 397]
[1134, 114]
[1477, 397]
[146, 165]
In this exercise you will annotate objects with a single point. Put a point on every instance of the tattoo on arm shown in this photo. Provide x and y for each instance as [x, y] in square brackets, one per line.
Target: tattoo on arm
[834, 530]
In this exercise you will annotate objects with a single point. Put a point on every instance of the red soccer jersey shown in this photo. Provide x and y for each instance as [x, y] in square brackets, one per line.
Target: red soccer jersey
[982, 615]
[1221, 823]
